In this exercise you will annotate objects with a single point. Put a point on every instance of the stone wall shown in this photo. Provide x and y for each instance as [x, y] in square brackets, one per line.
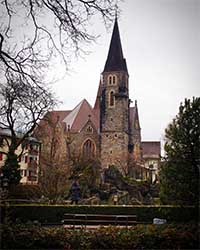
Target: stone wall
[77, 140]
[114, 122]
[114, 149]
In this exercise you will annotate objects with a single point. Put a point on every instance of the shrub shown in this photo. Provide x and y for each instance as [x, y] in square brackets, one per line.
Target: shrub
[137, 237]
[55, 213]
[29, 192]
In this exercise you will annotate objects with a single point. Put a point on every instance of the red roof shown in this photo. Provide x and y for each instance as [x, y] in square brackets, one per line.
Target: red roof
[99, 93]
[61, 114]
[76, 118]
[151, 148]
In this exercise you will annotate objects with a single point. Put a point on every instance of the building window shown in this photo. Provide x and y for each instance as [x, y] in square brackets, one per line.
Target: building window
[89, 129]
[112, 79]
[112, 99]
[25, 173]
[88, 149]
[1, 156]
[26, 159]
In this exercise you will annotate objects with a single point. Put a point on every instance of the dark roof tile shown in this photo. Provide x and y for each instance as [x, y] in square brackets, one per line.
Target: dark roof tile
[151, 148]
[115, 60]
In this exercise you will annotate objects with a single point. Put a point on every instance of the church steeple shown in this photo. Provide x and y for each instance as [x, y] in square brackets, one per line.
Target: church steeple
[115, 60]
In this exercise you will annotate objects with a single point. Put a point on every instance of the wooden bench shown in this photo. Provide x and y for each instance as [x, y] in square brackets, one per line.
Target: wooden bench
[98, 219]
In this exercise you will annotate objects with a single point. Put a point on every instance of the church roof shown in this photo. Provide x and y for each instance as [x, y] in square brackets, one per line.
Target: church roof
[151, 148]
[99, 93]
[134, 116]
[59, 114]
[78, 117]
[115, 59]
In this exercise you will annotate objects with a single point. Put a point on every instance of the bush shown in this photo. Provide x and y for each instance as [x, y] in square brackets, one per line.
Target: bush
[137, 237]
[29, 192]
[55, 213]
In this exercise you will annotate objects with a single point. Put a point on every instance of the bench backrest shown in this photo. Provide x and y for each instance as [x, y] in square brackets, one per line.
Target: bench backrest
[99, 219]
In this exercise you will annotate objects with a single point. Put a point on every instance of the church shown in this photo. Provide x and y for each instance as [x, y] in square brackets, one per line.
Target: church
[110, 130]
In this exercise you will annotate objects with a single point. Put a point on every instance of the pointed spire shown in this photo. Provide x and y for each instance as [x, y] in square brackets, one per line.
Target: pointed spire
[115, 60]
[116, 11]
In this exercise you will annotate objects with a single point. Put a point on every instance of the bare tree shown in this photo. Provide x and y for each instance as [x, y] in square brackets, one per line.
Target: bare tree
[33, 31]
[21, 108]
[54, 168]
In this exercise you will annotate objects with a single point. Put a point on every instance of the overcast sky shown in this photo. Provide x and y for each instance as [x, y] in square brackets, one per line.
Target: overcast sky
[161, 44]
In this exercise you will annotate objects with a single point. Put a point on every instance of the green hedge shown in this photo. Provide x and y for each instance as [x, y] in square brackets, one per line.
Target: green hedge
[138, 237]
[54, 214]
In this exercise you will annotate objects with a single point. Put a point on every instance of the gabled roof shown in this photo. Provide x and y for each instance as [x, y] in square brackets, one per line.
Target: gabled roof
[59, 114]
[151, 148]
[134, 116]
[78, 117]
[99, 92]
[115, 59]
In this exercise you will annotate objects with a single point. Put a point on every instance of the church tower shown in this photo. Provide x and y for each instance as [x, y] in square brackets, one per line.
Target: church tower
[114, 106]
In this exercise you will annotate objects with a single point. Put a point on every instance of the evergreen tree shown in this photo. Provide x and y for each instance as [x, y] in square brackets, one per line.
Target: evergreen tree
[180, 171]
[10, 170]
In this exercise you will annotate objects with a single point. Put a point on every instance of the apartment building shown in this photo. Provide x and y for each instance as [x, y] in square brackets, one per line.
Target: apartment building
[28, 158]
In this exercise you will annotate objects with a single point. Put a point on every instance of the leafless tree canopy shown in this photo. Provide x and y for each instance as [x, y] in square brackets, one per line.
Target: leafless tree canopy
[32, 31]
[54, 168]
[21, 108]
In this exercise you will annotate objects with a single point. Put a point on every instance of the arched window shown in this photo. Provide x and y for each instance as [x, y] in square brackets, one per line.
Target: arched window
[112, 99]
[88, 149]
[89, 129]
[112, 79]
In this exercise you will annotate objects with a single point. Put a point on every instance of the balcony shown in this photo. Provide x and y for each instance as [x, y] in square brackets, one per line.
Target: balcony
[32, 178]
[32, 164]
[34, 152]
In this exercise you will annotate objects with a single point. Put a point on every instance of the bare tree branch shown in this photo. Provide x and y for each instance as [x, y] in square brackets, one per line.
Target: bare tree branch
[71, 20]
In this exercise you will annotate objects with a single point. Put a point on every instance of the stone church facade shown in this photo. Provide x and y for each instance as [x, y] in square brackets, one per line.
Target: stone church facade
[110, 130]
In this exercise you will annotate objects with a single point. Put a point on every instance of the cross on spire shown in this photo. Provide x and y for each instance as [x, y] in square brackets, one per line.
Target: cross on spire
[116, 10]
